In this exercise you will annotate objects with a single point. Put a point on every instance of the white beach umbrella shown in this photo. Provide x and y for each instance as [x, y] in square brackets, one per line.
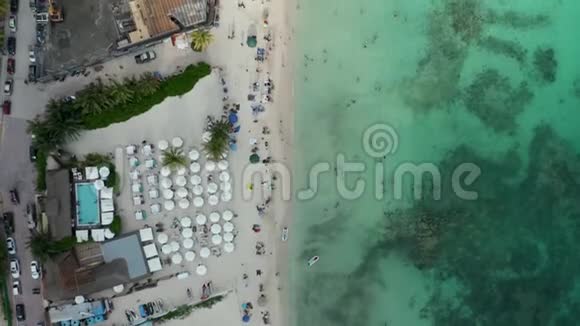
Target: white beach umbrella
[166, 249]
[212, 188]
[210, 166]
[213, 200]
[201, 270]
[165, 171]
[226, 186]
[190, 255]
[216, 228]
[79, 299]
[198, 202]
[180, 181]
[163, 144]
[204, 252]
[206, 136]
[214, 217]
[181, 170]
[229, 247]
[194, 167]
[183, 203]
[167, 193]
[200, 219]
[224, 176]
[193, 155]
[104, 172]
[228, 237]
[197, 190]
[177, 142]
[118, 288]
[195, 179]
[216, 239]
[99, 184]
[185, 222]
[226, 196]
[187, 233]
[188, 243]
[169, 205]
[174, 246]
[166, 183]
[227, 215]
[182, 192]
[223, 165]
[228, 227]
[176, 259]
[162, 238]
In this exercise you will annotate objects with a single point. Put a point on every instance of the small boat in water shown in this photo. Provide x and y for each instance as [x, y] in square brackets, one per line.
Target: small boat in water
[313, 260]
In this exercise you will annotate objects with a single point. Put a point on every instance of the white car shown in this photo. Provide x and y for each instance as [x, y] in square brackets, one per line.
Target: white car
[11, 246]
[285, 234]
[15, 268]
[12, 23]
[16, 288]
[35, 270]
[31, 56]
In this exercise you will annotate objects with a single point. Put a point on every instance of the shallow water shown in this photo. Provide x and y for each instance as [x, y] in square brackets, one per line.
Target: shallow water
[487, 88]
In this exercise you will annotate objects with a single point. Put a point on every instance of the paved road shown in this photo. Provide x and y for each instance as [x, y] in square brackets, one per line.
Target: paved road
[15, 167]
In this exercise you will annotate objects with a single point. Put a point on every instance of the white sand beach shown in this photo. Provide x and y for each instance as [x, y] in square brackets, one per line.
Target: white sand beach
[185, 117]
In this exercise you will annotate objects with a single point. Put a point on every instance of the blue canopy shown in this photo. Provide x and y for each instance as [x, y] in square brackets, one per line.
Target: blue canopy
[246, 318]
[233, 118]
[76, 322]
[65, 323]
[233, 146]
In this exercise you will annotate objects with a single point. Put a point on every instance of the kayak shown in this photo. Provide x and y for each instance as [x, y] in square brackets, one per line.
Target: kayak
[313, 260]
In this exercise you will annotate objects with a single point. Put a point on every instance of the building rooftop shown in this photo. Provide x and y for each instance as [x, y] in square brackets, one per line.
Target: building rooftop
[58, 203]
[127, 249]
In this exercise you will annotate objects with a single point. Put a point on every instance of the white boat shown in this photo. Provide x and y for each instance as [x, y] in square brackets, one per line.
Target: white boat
[313, 260]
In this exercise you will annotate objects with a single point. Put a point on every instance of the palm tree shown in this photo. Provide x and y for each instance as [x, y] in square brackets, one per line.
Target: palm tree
[200, 40]
[148, 84]
[119, 93]
[93, 99]
[220, 137]
[44, 247]
[174, 158]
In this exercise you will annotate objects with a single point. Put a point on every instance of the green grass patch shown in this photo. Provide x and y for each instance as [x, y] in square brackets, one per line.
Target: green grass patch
[116, 226]
[185, 310]
[176, 85]
[40, 164]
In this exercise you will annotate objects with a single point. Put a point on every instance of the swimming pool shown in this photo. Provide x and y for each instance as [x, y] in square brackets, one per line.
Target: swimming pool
[87, 204]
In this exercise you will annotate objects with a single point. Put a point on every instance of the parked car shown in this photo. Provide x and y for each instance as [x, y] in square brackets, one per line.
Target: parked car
[32, 73]
[16, 288]
[285, 234]
[31, 55]
[8, 87]
[11, 66]
[7, 107]
[15, 268]
[8, 220]
[35, 270]
[12, 23]
[31, 215]
[14, 197]
[11, 246]
[20, 314]
[14, 7]
[36, 291]
[11, 45]
[145, 57]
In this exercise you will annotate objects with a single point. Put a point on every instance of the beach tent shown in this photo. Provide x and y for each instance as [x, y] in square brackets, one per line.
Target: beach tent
[91, 173]
[153, 193]
[150, 250]
[136, 188]
[107, 205]
[106, 193]
[154, 264]
[254, 158]
[134, 175]
[130, 150]
[227, 215]
[98, 235]
[139, 215]
[146, 234]
[134, 162]
[82, 235]
[200, 219]
[150, 163]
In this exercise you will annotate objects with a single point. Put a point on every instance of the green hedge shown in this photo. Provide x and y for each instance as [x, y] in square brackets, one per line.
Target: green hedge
[40, 163]
[176, 85]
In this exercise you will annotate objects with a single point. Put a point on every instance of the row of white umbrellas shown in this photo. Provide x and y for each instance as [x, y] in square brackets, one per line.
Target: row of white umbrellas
[195, 179]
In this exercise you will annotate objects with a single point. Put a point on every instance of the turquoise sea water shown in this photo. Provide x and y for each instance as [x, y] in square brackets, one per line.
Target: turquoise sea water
[492, 84]
[88, 205]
